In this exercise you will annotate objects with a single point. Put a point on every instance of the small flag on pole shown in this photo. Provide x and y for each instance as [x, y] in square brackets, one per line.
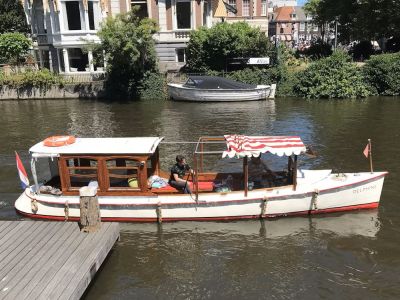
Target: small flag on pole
[366, 151]
[22, 172]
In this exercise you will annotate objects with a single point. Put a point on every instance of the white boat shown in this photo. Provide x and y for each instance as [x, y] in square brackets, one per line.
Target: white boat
[218, 89]
[120, 168]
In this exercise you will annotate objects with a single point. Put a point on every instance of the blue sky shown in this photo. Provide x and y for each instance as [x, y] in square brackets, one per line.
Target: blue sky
[301, 2]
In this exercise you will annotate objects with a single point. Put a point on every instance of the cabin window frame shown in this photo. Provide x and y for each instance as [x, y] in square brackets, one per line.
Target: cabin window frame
[65, 175]
[141, 173]
[103, 175]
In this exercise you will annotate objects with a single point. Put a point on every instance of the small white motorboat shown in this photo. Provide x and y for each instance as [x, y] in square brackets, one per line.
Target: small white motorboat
[218, 89]
[120, 168]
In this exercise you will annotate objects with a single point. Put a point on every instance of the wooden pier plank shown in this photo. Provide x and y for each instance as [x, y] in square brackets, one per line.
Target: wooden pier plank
[20, 263]
[5, 227]
[17, 245]
[48, 270]
[31, 264]
[51, 260]
[91, 265]
[88, 264]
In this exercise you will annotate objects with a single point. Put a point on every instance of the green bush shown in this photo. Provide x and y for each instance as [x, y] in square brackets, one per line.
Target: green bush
[382, 74]
[332, 77]
[256, 76]
[153, 87]
[42, 79]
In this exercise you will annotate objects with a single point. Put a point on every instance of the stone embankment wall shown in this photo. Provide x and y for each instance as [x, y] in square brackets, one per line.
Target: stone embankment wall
[93, 90]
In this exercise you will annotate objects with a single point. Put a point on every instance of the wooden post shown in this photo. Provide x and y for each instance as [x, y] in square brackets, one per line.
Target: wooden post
[246, 175]
[90, 220]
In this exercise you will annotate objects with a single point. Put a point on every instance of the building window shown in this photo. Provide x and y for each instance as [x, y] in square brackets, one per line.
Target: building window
[293, 16]
[282, 30]
[181, 55]
[302, 26]
[78, 61]
[264, 7]
[91, 15]
[183, 15]
[233, 4]
[73, 15]
[141, 8]
[246, 8]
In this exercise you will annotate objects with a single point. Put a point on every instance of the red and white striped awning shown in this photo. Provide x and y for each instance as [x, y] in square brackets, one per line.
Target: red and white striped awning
[241, 145]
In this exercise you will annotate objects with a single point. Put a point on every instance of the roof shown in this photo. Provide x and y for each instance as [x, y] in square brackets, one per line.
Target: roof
[284, 14]
[130, 145]
[241, 145]
[215, 82]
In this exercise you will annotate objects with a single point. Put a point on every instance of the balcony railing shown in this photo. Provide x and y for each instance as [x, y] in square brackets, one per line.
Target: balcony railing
[181, 35]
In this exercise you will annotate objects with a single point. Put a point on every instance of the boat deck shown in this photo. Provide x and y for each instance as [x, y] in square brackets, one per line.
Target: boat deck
[50, 260]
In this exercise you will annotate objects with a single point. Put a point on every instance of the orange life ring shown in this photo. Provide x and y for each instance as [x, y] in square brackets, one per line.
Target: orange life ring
[59, 140]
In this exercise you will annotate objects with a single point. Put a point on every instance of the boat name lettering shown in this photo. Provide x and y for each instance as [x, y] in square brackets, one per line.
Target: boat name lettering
[364, 189]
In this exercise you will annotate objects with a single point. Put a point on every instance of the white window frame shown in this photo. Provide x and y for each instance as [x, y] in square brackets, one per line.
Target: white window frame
[64, 26]
[264, 7]
[174, 16]
[184, 55]
[246, 8]
[232, 3]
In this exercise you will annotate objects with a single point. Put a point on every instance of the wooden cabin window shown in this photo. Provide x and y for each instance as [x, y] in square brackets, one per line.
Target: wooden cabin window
[81, 171]
[123, 173]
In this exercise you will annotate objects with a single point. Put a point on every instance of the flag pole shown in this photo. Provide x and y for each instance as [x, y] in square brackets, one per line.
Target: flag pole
[370, 155]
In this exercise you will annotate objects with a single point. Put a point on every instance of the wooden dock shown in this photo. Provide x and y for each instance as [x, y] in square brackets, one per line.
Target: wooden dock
[50, 260]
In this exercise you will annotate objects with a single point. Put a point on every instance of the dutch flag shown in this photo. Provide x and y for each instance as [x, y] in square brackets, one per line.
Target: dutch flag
[21, 172]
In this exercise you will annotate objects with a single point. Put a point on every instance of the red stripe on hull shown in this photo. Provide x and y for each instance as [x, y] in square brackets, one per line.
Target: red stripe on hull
[228, 218]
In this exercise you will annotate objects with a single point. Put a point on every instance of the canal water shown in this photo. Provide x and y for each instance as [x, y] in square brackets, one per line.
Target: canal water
[343, 255]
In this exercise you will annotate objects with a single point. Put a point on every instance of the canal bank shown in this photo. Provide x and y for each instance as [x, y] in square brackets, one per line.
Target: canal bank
[91, 90]
[352, 255]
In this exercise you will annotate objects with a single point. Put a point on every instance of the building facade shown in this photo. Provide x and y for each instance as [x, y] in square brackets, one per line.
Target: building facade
[293, 27]
[62, 28]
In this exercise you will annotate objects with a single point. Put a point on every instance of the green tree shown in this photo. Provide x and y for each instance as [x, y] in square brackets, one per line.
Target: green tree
[358, 20]
[13, 47]
[211, 48]
[129, 48]
[12, 17]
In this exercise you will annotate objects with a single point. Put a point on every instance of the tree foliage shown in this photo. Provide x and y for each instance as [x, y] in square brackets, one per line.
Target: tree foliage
[129, 48]
[211, 48]
[358, 20]
[382, 73]
[12, 17]
[13, 47]
[332, 77]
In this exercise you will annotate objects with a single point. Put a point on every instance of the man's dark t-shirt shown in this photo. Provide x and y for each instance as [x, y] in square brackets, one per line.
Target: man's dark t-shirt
[180, 170]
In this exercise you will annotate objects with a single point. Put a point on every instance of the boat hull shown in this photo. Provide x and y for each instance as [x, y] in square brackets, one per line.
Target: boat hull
[180, 93]
[329, 195]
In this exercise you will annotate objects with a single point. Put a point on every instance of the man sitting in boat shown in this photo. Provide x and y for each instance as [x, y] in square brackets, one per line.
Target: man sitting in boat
[257, 170]
[178, 172]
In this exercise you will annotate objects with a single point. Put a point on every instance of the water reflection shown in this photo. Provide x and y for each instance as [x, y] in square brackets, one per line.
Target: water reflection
[363, 223]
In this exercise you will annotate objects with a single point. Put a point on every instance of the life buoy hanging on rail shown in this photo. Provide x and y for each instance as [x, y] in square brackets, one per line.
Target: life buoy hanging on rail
[59, 140]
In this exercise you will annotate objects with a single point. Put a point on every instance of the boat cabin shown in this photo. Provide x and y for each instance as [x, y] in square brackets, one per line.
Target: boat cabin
[122, 166]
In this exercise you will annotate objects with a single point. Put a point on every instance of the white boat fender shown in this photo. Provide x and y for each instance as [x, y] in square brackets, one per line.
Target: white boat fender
[264, 206]
[34, 206]
[66, 210]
